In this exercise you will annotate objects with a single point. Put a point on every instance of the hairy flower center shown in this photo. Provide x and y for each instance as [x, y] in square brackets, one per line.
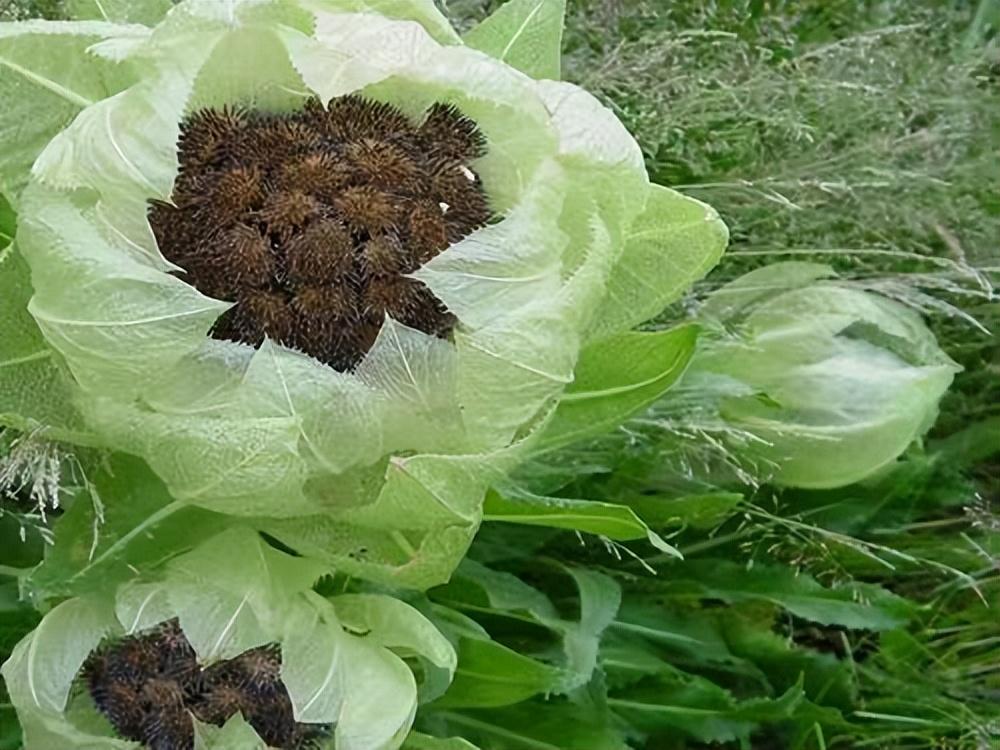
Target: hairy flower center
[150, 685]
[309, 222]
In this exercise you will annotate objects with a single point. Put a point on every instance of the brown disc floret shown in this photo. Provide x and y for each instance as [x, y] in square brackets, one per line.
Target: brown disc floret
[309, 222]
[150, 686]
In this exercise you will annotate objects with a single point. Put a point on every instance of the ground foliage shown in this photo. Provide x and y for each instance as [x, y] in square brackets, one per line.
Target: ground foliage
[862, 135]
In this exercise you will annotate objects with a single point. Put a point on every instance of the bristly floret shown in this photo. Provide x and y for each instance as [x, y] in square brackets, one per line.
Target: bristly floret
[308, 221]
[150, 685]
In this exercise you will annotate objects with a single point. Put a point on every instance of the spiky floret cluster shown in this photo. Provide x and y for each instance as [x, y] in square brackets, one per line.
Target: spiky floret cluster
[310, 221]
[150, 685]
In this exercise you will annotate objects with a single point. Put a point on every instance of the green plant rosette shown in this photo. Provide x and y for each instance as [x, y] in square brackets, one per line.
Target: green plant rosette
[380, 470]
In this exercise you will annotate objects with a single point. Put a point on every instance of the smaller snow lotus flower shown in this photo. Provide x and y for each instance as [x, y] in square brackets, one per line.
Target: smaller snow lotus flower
[227, 647]
[831, 383]
[326, 262]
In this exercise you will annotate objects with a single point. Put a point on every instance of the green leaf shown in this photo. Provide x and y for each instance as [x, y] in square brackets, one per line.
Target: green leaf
[8, 222]
[600, 597]
[526, 34]
[856, 605]
[700, 709]
[490, 674]
[824, 677]
[494, 593]
[48, 76]
[21, 545]
[697, 511]
[673, 243]
[34, 389]
[10, 729]
[125, 521]
[536, 726]
[146, 12]
[614, 521]
[616, 378]
[395, 625]
[736, 297]
[971, 445]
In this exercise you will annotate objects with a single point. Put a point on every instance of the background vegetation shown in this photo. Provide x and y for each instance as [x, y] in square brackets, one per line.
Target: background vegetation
[862, 133]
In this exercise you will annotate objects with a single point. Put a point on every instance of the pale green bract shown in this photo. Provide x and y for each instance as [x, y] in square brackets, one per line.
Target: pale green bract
[380, 472]
[342, 658]
[831, 382]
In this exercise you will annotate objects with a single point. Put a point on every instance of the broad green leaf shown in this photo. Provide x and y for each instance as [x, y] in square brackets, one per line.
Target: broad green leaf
[600, 597]
[8, 222]
[644, 626]
[701, 710]
[395, 625]
[858, 605]
[824, 678]
[480, 586]
[146, 12]
[526, 34]
[673, 243]
[482, 590]
[616, 378]
[46, 78]
[536, 726]
[490, 674]
[34, 388]
[125, 520]
[697, 511]
[614, 521]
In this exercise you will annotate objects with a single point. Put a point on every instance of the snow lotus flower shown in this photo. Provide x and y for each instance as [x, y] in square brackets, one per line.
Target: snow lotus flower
[226, 647]
[831, 383]
[327, 263]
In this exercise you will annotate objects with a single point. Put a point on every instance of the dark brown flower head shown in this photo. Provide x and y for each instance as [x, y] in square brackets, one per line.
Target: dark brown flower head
[150, 685]
[309, 221]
